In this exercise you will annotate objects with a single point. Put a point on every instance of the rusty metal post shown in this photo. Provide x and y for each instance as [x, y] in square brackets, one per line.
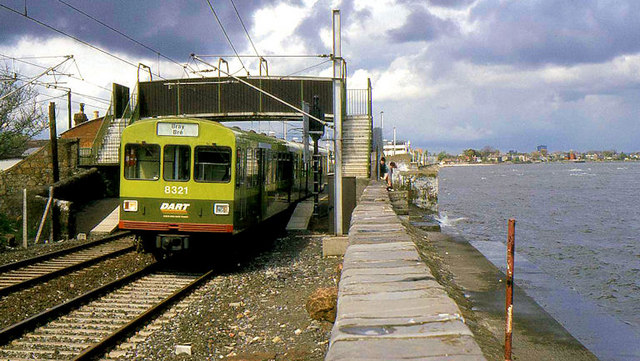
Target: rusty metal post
[511, 238]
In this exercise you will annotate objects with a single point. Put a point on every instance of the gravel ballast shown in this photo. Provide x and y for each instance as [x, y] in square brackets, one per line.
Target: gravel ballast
[252, 311]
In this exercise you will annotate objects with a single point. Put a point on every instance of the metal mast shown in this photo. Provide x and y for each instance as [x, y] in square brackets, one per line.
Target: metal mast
[337, 119]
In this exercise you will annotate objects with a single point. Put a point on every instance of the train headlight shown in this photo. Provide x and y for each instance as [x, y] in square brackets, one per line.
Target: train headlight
[130, 206]
[221, 208]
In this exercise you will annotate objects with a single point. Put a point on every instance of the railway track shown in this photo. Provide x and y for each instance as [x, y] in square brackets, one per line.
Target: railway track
[22, 274]
[87, 326]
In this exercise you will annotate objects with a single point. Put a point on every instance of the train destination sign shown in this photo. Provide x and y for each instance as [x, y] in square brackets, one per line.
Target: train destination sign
[178, 129]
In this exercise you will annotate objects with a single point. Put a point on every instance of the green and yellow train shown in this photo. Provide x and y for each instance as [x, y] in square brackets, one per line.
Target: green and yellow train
[182, 178]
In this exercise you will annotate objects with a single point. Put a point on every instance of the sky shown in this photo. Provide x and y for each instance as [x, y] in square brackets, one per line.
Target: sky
[448, 74]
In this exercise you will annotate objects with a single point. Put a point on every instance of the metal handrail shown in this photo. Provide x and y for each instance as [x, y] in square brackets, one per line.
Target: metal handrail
[99, 138]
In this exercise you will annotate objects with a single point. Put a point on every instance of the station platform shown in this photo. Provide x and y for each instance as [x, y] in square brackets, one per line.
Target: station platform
[390, 307]
[107, 225]
[301, 216]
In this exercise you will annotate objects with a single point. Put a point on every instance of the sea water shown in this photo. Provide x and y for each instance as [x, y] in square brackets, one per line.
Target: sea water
[577, 240]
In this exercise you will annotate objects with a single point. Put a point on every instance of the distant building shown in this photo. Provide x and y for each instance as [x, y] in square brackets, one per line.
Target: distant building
[401, 147]
[542, 149]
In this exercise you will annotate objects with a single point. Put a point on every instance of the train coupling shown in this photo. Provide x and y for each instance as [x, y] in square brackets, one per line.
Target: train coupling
[172, 242]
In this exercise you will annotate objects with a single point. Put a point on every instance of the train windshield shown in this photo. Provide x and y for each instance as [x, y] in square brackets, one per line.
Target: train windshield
[177, 162]
[212, 164]
[142, 161]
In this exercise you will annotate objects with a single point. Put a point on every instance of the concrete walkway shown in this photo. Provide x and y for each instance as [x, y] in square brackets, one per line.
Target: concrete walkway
[389, 305]
[299, 220]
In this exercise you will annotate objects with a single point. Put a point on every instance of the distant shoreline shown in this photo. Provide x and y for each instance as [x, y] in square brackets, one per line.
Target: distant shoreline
[554, 162]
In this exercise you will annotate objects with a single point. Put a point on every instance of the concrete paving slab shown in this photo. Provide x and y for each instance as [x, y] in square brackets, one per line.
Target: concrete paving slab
[381, 264]
[385, 247]
[410, 307]
[406, 278]
[383, 255]
[416, 330]
[363, 288]
[424, 293]
[415, 269]
[398, 320]
[430, 348]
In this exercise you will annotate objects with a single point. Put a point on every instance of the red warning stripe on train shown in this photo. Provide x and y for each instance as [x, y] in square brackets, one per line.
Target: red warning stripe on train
[181, 227]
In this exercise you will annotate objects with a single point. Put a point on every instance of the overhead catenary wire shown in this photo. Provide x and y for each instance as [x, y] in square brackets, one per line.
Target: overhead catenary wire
[63, 88]
[226, 35]
[308, 68]
[245, 28]
[158, 53]
[44, 67]
[195, 57]
[35, 78]
[73, 37]
[266, 56]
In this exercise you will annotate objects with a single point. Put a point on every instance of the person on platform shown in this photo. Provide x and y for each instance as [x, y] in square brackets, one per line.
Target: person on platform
[392, 166]
[383, 169]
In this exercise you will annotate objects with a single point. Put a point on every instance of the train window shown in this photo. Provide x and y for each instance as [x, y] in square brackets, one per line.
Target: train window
[212, 164]
[177, 163]
[142, 161]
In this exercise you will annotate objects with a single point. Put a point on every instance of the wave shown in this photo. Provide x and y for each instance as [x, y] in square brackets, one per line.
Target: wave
[445, 221]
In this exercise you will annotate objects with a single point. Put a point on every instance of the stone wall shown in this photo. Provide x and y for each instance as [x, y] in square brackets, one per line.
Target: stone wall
[34, 172]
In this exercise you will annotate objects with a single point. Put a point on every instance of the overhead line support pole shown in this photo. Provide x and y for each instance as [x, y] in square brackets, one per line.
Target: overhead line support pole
[69, 107]
[337, 122]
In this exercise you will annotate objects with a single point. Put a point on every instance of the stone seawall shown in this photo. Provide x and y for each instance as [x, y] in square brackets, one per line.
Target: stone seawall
[389, 305]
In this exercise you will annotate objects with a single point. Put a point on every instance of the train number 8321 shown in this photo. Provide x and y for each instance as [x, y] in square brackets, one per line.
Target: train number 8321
[176, 190]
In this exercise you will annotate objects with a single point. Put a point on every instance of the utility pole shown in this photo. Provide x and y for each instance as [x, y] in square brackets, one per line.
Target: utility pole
[53, 137]
[394, 140]
[69, 107]
[284, 130]
[337, 121]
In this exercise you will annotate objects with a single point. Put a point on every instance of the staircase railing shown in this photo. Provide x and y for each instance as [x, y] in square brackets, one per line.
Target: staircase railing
[131, 114]
[100, 135]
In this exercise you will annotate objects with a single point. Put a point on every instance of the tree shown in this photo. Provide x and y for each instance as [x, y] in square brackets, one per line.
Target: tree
[20, 116]
[471, 153]
[442, 155]
[487, 150]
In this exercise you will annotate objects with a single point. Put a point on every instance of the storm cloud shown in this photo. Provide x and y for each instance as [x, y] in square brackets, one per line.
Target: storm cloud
[448, 74]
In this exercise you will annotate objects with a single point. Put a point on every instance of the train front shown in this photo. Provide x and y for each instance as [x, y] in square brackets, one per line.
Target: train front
[176, 182]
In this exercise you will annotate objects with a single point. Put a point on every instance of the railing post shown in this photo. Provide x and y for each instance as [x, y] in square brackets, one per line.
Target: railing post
[511, 237]
[25, 236]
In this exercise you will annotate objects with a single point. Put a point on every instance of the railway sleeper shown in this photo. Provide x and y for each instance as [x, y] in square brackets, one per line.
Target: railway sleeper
[31, 354]
[55, 345]
[109, 312]
[119, 303]
[133, 299]
[97, 329]
[84, 321]
[39, 337]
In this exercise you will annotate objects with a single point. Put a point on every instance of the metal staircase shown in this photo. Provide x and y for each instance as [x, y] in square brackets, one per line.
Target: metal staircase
[110, 149]
[106, 145]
